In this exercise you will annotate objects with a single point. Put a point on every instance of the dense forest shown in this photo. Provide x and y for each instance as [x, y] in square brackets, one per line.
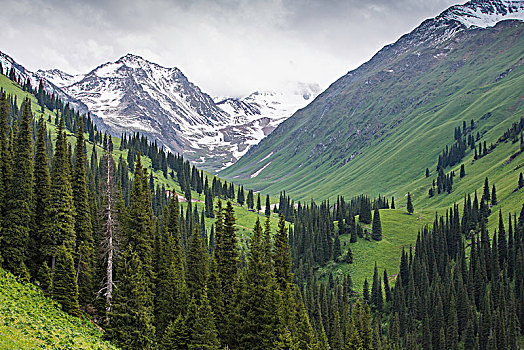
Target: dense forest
[104, 241]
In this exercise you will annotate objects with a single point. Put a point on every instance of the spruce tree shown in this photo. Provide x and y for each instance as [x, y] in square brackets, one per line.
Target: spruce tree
[494, 196]
[131, 316]
[409, 205]
[226, 257]
[6, 166]
[377, 300]
[376, 231]
[60, 211]
[197, 266]
[282, 256]
[176, 336]
[267, 210]
[64, 287]
[521, 181]
[84, 232]
[41, 187]
[19, 199]
[259, 205]
[486, 194]
[203, 332]
[392, 202]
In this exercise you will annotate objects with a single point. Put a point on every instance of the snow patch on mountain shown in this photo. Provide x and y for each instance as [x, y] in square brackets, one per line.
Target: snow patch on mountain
[485, 13]
[58, 77]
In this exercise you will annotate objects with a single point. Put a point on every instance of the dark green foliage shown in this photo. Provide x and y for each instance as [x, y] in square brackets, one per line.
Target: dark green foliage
[41, 188]
[197, 265]
[377, 300]
[409, 205]
[259, 205]
[84, 232]
[131, 317]
[365, 291]
[176, 336]
[521, 181]
[365, 210]
[376, 231]
[60, 212]
[486, 194]
[462, 171]
[267, 210]
[493, 196]
[19, 199]
[282, 256]
[64, 288]
[203, 333]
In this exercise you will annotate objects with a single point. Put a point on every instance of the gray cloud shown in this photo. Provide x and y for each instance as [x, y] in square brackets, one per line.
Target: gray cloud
[229, 47]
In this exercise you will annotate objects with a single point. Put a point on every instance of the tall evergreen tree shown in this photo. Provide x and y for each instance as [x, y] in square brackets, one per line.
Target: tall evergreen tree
[376, 230]
[84, 231]
[64, 287]
[203, 332]
[60, 211]
[41, 186]
[268, 207]
[259, 205]
[19, 199]
[409, 205]
[197, 266]
[131, 317]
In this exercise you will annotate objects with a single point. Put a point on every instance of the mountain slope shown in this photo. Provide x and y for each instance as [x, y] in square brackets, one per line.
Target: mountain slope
[135, 95]
[29, 320]
[365, 133]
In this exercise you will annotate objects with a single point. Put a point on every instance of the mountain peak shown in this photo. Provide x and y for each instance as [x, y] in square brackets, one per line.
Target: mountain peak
[484, 13]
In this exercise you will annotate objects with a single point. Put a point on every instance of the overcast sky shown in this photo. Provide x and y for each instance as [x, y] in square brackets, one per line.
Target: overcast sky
[227, 47]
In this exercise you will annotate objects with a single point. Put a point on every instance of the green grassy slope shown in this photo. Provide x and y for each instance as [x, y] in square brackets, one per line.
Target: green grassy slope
[394, 126]
[29, 320]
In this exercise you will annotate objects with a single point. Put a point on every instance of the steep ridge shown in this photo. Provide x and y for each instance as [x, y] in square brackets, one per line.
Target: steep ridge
[135, 95]
[365, 132]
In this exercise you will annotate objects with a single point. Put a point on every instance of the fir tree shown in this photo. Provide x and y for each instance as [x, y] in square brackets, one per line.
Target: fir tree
[131, 317]
[19, 199]
[203, 333]
[64, 287]
[176, 336]
[282, 256]
[376, 232]
[486, 194]
[392, 202]
[268, 207]
[197, 265]
[60, 211]
[377, 300]
[409, 205]
[521, 181]
[84, 231]
[493, 196]
[259, 206]
[41, 187]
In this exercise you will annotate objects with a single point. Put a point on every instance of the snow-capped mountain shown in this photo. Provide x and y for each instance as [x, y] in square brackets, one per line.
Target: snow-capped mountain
[135, 95]
[58, 77]
[255, 116]
[481, 13]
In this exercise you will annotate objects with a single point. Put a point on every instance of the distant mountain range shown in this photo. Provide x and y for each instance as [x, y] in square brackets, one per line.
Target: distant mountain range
[135, 95]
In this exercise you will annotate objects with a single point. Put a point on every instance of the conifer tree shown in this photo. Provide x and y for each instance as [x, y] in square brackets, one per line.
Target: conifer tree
[268, 207]
[60, 211]
[19, 199]
[282, 256]
[6, 166]
[250, 201]
[377, 300]
[64, 287]
[376, 231]
[131, 316]
[259, 205]
[41, 187]
[203, 333]
[387, 290]
[176, 336]
[197, 266]
[226, 257]
[84, 231]
[521, 181]
[494, 196]
[365, 291]
[486, 194]
[392, 202]
[337, 252]
[409, 205]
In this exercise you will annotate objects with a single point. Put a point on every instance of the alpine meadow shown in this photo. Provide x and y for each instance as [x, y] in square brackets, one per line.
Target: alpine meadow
[378, 209]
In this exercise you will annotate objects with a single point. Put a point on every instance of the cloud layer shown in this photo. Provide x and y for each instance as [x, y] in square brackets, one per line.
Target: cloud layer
[229, 47]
